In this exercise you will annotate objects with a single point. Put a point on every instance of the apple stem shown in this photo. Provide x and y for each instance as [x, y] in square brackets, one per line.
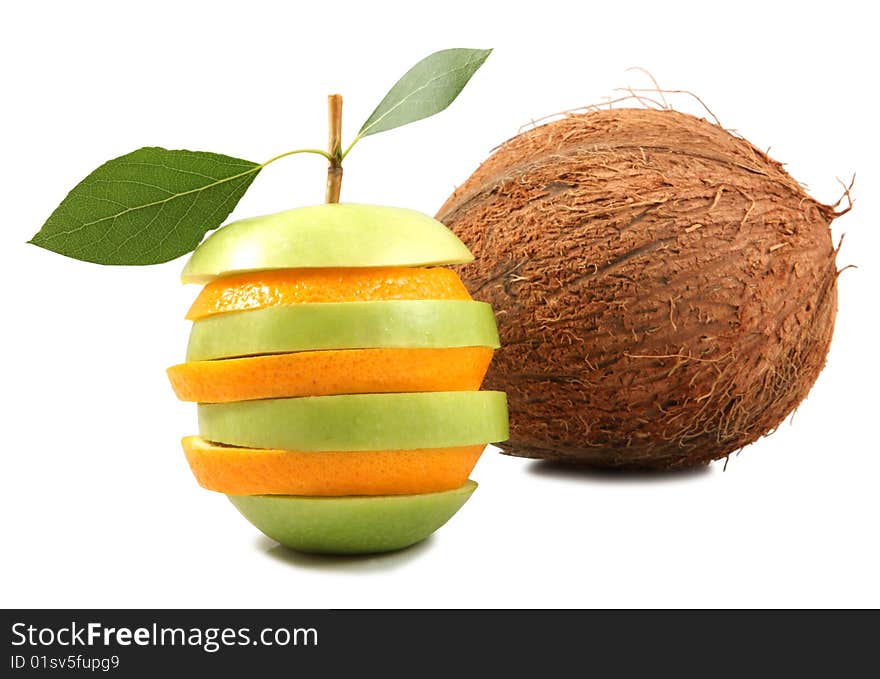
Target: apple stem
[334, 147]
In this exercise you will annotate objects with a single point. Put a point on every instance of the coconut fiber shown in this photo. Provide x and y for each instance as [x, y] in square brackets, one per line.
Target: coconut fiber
[665, 291]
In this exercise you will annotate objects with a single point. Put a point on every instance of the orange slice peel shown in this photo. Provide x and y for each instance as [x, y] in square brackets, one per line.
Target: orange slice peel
[252, 471]
[325, 373]
[258, 290]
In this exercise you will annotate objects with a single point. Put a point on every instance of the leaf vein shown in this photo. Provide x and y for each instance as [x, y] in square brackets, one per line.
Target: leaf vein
[466, 65]
[145, 206]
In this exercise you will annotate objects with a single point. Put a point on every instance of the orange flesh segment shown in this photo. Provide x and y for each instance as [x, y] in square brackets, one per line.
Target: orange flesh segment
[250, 471]
[257, 290]
[324, 373]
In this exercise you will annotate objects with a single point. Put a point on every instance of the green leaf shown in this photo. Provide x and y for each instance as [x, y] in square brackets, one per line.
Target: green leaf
[146, 207]
[427, 88]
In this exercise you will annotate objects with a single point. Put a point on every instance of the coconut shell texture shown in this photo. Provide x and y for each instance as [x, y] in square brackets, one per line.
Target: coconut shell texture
[665, 291]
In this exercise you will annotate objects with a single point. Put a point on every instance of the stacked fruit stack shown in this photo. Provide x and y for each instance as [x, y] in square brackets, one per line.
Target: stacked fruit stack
[337, 372]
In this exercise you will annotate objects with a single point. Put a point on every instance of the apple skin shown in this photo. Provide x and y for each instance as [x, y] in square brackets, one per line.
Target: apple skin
[344, 325]
[351, 525]
[329, 235]
[442, 419]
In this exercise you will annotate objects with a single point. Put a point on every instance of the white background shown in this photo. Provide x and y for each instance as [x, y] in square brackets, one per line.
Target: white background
[98, 505]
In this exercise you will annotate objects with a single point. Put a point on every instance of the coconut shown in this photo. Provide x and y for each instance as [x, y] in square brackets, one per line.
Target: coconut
[665, 291]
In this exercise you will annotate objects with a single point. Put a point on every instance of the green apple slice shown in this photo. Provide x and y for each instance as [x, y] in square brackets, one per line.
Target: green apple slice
[351, 525]
[441, 419]
[343, 325]
[329, 235]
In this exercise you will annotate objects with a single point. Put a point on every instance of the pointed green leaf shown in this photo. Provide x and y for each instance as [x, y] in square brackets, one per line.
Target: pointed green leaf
[146, 207]
[427, 88]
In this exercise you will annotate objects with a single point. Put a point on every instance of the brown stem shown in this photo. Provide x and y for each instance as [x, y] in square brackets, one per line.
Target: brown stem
[334, 147]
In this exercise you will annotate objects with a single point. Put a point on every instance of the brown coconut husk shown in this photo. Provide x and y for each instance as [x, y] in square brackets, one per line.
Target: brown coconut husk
[665, 291]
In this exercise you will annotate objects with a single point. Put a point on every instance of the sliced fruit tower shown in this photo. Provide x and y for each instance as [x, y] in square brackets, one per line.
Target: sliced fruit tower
[337, 369]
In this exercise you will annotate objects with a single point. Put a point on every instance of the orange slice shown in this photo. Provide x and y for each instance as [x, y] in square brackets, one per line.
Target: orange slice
[262, 289]
[324, 373]
[251, 471]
